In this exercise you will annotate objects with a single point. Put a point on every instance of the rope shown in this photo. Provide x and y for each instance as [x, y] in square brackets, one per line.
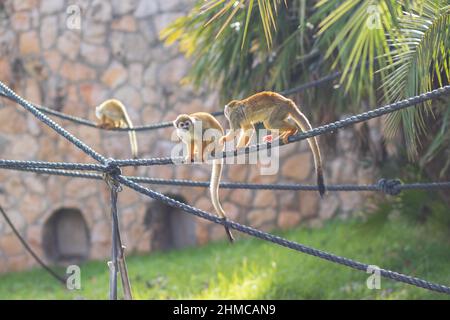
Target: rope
[50, 271]
[387, 186]
[16, 164]
[93, 124]
[118, 263]
[113, 264]
[281, 241]
[312, 84]
[331, 127]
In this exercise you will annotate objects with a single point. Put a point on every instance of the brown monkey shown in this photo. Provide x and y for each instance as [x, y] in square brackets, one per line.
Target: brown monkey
[273, 110]
[113, 114]
[191, 130]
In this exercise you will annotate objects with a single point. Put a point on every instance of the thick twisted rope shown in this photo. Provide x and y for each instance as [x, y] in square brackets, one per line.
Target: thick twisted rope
[93, 124]
[331, 127]
[113, 265]
[17, 164]
[281, 241]
[388, 186]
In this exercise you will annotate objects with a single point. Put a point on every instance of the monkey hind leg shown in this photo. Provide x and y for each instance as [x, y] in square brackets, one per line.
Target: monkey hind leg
[284, 127]
[285, 134]
[191, 155]
[204, 151]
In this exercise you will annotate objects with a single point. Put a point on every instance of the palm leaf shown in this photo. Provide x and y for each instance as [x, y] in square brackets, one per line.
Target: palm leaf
[266, 11]
[421, 53]
[353, 41]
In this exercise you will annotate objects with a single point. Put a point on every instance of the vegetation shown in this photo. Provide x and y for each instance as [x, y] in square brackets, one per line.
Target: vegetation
[253, 269]
[388, 50]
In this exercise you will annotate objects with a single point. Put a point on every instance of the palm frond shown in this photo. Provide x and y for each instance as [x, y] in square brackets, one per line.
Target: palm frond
[267, 10]
[420, 53]
[353, 34]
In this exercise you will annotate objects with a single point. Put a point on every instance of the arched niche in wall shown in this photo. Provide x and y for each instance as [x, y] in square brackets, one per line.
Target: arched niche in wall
[171, 228]
[66, 236]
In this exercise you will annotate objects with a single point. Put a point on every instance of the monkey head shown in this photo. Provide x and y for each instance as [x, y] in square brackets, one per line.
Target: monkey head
[184, 122]
[230, 107]
[101, 109]
[234, 112]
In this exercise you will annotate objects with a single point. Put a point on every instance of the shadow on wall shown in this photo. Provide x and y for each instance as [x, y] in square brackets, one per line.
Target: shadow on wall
[66, 237]
[171, 228]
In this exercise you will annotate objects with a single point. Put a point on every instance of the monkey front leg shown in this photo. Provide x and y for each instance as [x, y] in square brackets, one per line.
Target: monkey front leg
[286, 132]
[246, 134]
[190, 152]
[229, 136]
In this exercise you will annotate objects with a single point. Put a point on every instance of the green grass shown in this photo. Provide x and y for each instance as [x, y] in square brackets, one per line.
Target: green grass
[253, 269]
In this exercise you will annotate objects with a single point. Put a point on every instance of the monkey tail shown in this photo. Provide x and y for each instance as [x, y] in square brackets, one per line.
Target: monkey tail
[132, 135]
[214, 190]
[304, 125]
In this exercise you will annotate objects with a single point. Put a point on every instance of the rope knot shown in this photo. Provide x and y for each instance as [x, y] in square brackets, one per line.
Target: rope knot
[389, 186]
[111, 171]
[112, 168]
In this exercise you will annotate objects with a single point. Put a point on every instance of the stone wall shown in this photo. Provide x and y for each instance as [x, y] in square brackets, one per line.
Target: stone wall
[116, 53]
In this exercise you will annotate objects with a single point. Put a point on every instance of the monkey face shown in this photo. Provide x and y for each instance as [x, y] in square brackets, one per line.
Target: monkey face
[186, 125]
[183, 122]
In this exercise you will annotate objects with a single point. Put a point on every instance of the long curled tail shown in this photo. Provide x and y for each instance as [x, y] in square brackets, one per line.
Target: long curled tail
[304, 125]
[132, 136]
[214, 190]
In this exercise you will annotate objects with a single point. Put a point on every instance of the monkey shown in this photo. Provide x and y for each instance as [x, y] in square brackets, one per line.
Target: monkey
[197, 142]
[273, 110]
[113, 114]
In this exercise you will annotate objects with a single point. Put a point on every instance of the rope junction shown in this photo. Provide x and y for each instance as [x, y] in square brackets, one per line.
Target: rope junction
[110, 169]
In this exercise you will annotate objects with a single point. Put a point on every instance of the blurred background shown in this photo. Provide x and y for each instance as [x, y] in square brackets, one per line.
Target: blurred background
[163, 58]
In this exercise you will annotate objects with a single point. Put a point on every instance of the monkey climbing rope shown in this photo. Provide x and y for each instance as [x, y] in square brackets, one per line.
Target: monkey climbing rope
[112, 168]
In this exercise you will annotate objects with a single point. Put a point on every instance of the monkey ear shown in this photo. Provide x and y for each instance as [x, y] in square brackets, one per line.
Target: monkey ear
[192, 119]
[177, 119]
[226, 111]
